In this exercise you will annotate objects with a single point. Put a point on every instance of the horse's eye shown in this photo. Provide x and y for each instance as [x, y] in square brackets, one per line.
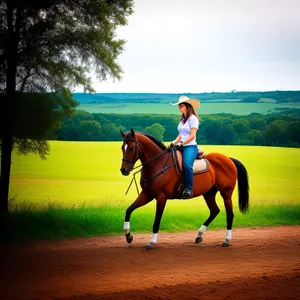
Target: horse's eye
[131, 148]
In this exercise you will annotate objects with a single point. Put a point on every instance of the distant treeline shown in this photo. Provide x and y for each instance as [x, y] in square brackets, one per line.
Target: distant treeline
[273, 96]
[275, 129]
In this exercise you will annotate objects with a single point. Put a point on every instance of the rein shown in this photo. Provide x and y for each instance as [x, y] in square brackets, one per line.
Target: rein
[145, 163]
[142, 165]
[163, 168]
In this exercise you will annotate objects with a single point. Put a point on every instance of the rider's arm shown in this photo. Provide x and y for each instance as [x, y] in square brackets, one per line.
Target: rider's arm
[177, 140]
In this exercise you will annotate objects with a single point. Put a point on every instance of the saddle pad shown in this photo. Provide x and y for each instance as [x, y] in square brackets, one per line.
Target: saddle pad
[201, 166]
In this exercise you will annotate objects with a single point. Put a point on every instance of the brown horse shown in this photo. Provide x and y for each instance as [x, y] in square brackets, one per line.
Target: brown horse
[161, 178]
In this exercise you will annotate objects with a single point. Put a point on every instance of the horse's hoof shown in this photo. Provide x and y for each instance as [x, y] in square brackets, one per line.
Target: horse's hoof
[226, 243]
[129, 238]
[149, 246]
[198, 239]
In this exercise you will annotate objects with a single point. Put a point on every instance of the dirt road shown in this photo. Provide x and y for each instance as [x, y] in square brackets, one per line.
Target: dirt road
[262, 263]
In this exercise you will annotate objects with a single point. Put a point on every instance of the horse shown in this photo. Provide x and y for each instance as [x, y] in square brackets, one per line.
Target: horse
[161, 177]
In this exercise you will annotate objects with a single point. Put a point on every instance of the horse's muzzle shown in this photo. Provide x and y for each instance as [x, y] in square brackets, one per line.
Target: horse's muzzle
[124, 171]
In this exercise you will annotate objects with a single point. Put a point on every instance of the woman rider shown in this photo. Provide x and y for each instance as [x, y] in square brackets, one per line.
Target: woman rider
[186, 140]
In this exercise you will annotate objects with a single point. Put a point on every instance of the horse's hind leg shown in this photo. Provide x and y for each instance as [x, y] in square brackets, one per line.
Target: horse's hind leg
[229, 215]
[210, 198]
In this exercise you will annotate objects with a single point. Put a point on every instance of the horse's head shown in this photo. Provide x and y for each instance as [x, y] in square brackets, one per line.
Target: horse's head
[130, 149]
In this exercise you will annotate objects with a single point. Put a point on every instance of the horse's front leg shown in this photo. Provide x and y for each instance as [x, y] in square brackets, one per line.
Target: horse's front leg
[160, 206]
[141, 200]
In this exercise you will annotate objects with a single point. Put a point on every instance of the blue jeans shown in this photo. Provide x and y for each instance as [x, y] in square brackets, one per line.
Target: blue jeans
[189, 154]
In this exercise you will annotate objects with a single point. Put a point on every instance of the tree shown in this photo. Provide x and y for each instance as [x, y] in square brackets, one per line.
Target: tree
[89, 131]
[81, 115]
[36, 119]
[258, 137]
[227, 136]
[170, 124]
[213, 131]
[240, 126]
[156, 130]
[110, 132]
[276, 133]
[49, 46]
[294, 130]
[67, 131]
[257, 123]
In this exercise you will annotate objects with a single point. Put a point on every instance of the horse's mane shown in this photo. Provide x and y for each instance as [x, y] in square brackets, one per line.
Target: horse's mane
[154, 140]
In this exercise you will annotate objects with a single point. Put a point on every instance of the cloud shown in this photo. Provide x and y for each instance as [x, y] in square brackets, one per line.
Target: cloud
[201, 46]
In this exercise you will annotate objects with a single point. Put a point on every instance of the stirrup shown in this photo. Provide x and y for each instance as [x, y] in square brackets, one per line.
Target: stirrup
[186, 194]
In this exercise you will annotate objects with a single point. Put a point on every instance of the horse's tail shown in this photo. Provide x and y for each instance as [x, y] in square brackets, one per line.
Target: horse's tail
[243, 185]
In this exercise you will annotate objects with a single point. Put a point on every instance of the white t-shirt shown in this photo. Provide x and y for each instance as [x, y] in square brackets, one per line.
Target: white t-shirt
[185, 129]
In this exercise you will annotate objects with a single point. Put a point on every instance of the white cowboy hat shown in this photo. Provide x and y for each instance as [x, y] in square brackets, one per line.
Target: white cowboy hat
[184, 99]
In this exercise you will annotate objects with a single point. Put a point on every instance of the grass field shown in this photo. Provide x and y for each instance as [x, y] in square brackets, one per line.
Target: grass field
[79, 190]
[77, 173]
[166, 108]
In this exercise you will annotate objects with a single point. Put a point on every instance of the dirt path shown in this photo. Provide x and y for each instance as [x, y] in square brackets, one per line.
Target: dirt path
[262, 263]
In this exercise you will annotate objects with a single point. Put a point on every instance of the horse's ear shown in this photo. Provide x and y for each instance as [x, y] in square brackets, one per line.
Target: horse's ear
[122, 133]
[132, 132]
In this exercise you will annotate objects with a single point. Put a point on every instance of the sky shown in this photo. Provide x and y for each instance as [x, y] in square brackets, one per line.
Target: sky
[194, 46]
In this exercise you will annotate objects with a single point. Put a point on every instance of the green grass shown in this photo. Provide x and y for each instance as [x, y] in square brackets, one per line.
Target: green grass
[264, 107]
[63, 222]
[88, 173]
[79, 191]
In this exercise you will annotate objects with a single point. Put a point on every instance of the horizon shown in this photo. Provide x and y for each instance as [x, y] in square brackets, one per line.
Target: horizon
[175, 93]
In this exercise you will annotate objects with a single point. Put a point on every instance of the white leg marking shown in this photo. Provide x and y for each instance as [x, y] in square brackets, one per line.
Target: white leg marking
[228, 235]
[202, 229]
[127, 227]
[198, 238]
[154, 238]
[227, 240]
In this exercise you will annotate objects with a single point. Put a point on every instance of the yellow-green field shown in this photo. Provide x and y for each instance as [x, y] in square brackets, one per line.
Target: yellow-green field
[79, 191]
[87, 173]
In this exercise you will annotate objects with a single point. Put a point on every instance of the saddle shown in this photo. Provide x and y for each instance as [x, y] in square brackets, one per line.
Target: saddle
[201, 164]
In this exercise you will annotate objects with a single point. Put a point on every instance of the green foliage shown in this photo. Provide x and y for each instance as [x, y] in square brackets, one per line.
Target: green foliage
[257, 123]
[36, 117]
[294, 130]
[276, 133]
[241, 126]
[55, 222]
[50, 46]
[89, 130]
[60, 41]
[110, 132]
[251, 99]
[156, 130]
[255, 129]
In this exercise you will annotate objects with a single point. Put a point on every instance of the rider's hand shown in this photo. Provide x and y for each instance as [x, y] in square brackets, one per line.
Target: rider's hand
[170, 147]
[179, 145]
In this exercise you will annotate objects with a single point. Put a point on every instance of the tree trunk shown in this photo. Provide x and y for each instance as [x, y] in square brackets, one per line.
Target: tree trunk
[8, 103]
[5, 173]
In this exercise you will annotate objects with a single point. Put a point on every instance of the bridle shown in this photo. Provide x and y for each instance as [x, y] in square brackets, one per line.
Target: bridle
[136, 151]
